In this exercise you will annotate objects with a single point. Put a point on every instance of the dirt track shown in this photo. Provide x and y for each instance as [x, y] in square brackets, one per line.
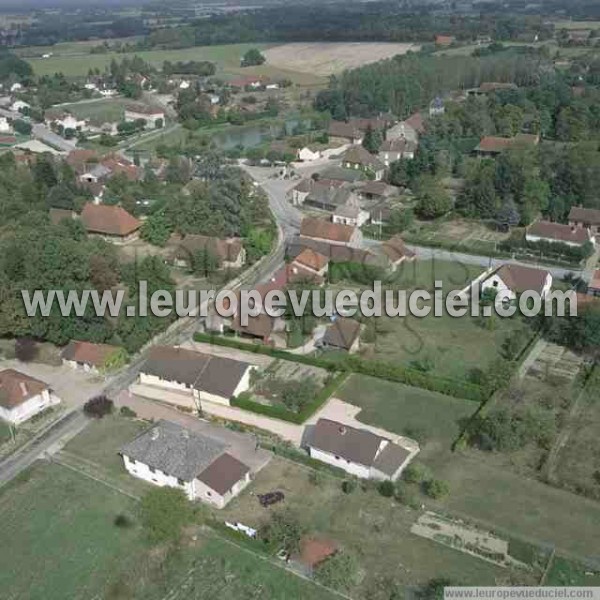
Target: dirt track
[328, 58]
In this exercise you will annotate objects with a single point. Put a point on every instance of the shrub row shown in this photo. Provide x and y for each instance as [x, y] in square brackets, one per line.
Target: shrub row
[244, 400]
[382, 370]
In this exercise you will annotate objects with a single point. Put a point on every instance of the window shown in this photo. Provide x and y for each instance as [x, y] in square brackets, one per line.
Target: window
[181, 482]
[208, 493]
[495, 284]
[337, 458]
[152, 469]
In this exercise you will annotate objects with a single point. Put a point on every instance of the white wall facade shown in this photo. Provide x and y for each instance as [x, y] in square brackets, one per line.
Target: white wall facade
[87, 368]
[535, 238]
[361, 471]
[24, 411]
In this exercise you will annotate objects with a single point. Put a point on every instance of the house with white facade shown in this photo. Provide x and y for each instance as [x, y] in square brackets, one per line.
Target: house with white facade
[22, 396]
[332, 233]
[19, 106]
[192, 378]
[169, 455]
[307, 154]
[154, 117]
[513, 280]
[571, 235]
[359, 452]
[5, 126]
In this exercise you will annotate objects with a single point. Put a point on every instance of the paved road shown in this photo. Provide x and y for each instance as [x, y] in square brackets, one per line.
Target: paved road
[58, 432]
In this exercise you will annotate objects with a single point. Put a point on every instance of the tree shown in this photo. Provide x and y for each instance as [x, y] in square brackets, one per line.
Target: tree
[164, 512]
[436, 488]
[433, 200]
[339, 571]
[479, 197]
[508, 213]
[98, 407]
[22, 127]
[204, 262]
[156, 229]
[400, 220]
[253, 57]
[434, 590]
[25, 349]
[372, 140]
[284, 531]
[386, 488]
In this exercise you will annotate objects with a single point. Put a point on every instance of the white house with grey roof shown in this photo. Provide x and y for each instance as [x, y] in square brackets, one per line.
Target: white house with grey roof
[171, 455]
[359, 452]
[193, 377]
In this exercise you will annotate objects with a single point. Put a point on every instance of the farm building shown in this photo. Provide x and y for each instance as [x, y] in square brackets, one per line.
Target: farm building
[546, 231]
[516, 279]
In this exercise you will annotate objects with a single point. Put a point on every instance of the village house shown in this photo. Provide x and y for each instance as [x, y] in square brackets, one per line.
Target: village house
[5, 126]
[546, 231]
[229, 252]
[22, 396]
[444, 40]
[332, 233]
[193, 377]
[359, 452]
[343, 334]
[307, 154]
[396, 252]
[436, 107]
[90, 357]
[170, 455]
[335, 253]
[409, 129]
[358, 157]
[309, 265]
[110, 222]
[585, 218]
[300, 192]
[154, 117]
[350, 214]
[491, 146]
[377, 190]
[593, 288]
[394, 149]
[344, 133]
[19, 106]
[516, 279]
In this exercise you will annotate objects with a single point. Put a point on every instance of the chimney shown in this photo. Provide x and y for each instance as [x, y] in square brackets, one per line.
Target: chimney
[342, 430]
[185, 434]
[23, 387]
[155, 434]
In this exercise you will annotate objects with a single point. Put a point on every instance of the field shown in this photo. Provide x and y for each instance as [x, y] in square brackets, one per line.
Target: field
[577, 25]
[408, 411]
[109, 109]
[76, 61]
[329, 58]
[59, 537]
[578, 467]
[444, 345]
[375, 529]
[565, 572]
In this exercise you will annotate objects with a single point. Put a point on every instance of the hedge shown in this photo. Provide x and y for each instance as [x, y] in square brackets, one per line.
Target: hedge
[244, 400]
[382, 370]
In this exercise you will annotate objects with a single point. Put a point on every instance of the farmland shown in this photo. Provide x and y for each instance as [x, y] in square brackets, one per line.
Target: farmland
[328, 58]
[109, 110]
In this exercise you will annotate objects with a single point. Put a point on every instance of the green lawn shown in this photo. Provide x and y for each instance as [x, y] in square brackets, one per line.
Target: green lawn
[565, 572]
[448, 346]
[59, 540]
[407, 410]
[106, 109]
[4, 432]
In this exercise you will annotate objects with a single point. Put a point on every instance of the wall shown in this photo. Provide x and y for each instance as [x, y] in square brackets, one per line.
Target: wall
[142, 471]
[350, 467]
[83, 366]
[147, 379]
[206, 494]
[535, 238]
[26, 410]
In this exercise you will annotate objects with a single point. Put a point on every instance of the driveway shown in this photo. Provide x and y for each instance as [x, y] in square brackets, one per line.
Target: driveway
[241, 445]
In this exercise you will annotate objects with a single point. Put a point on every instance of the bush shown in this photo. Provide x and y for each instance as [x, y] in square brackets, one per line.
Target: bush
[122, 521]
[386, 488]
[415, 473]
[348, 486]
[98, 407]
[127, 412]
[406, 497]
[436, 488]
[340, 571]
[25, 349]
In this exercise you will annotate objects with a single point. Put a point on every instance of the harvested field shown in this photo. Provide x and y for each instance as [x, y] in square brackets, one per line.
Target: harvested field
[328, 58]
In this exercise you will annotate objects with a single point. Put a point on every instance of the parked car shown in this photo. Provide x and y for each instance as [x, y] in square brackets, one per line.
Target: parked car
[270, 498]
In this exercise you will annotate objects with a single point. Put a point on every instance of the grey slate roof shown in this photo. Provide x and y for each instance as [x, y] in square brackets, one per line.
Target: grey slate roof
[342, 333]
[391, 458]
[206, 373]
[174, 450]
[356, 445]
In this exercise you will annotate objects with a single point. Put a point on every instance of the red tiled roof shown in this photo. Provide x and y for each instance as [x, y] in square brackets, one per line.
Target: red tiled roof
[16, 388]
[492, 143]
[416, 121]
[110, 220]
[311, 259]
[585, 215]
[444, 40]
[521, 279]
[88, 353]
[559, 232]
[595, 282]
[326, 230]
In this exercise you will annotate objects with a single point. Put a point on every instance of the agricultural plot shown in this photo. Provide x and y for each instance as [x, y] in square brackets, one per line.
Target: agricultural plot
[105, 110]
[329, 58]
[555, 363]
[375, 529]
